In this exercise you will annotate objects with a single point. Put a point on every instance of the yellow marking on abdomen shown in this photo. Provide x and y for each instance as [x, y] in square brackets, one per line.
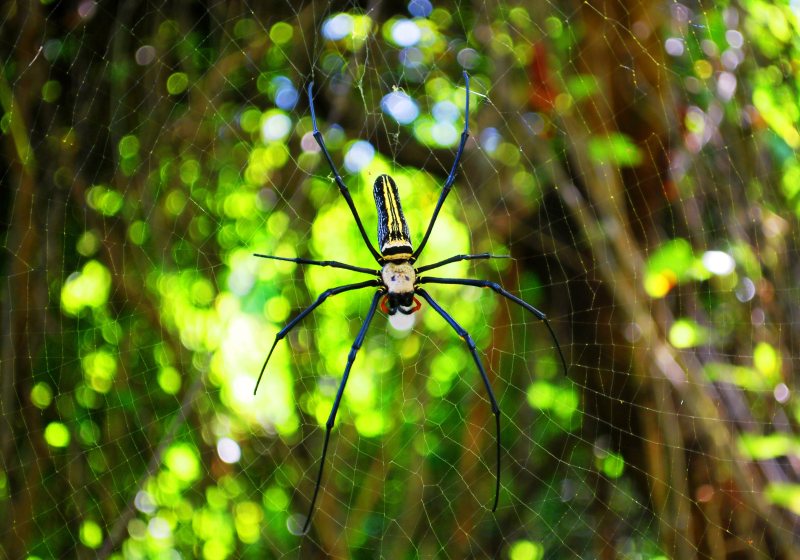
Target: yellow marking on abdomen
[398, 257]
[392, 215]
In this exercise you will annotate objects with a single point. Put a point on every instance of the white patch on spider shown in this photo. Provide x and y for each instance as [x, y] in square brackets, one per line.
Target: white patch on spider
[402, 322]
[398, 278]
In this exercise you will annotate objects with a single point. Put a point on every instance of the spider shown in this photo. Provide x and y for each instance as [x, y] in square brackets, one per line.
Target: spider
[398, 282]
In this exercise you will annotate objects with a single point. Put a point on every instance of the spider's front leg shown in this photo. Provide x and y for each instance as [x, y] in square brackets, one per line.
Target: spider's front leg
[338, 178]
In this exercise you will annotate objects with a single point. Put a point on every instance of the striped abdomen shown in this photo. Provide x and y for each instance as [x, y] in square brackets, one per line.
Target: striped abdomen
[394, 241]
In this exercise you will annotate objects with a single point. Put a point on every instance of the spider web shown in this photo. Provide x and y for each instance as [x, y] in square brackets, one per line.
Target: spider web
[636, 162]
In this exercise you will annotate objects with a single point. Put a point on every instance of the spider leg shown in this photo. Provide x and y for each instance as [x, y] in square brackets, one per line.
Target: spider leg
[497, 288]
[471, 344]
[332, 264]
[342, 187]
[450, 178]
[329, 424]
[323, 296]
[461, 258]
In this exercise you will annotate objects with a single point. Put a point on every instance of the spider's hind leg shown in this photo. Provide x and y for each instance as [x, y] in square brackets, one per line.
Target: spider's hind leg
[457, 258]
[492, 400]
[506, 294]
[332, 418]
[323, 296]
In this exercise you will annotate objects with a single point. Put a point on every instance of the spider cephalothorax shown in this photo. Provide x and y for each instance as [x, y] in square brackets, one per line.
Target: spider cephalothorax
[399, 279]
[397, 282]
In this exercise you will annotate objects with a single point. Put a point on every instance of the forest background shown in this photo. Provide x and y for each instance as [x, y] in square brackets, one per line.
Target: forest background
[636, 159]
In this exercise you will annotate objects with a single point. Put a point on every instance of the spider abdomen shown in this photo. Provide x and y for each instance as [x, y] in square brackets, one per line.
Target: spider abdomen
[394, 240]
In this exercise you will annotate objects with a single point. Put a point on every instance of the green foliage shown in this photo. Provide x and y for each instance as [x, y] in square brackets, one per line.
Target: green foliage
[88, 288]
[611, 464]
[785, 495]
[615, 149]
[672, 263]
[769, 446]
[741, 376]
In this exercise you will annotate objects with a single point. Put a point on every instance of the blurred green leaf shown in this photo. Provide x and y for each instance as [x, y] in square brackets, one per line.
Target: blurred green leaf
[767, 361]
[616, 149]
[786, 495]
[88, 288]
[770, 446]
[741, 376]
[670, 264]
[582, 86]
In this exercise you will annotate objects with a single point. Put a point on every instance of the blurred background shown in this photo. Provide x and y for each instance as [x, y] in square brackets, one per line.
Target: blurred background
[636, 159]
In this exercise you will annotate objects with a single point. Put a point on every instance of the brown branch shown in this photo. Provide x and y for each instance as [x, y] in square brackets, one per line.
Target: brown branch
[682, 373]
[20, 302]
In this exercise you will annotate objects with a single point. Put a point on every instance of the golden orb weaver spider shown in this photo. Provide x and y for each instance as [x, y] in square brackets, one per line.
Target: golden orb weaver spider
[398, 282]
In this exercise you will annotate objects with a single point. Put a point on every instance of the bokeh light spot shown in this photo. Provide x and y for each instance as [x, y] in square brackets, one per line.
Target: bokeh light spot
[718, 262]
[228, 450]
[359, 156]
[177, 83]
[275, 127]
[406, 33]
[56, 434]
[41, 395]
[674, 46]
[183, 462]
[525, 550]
[90, 534]
[400, 107]
[337, 27]
[420, 8]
